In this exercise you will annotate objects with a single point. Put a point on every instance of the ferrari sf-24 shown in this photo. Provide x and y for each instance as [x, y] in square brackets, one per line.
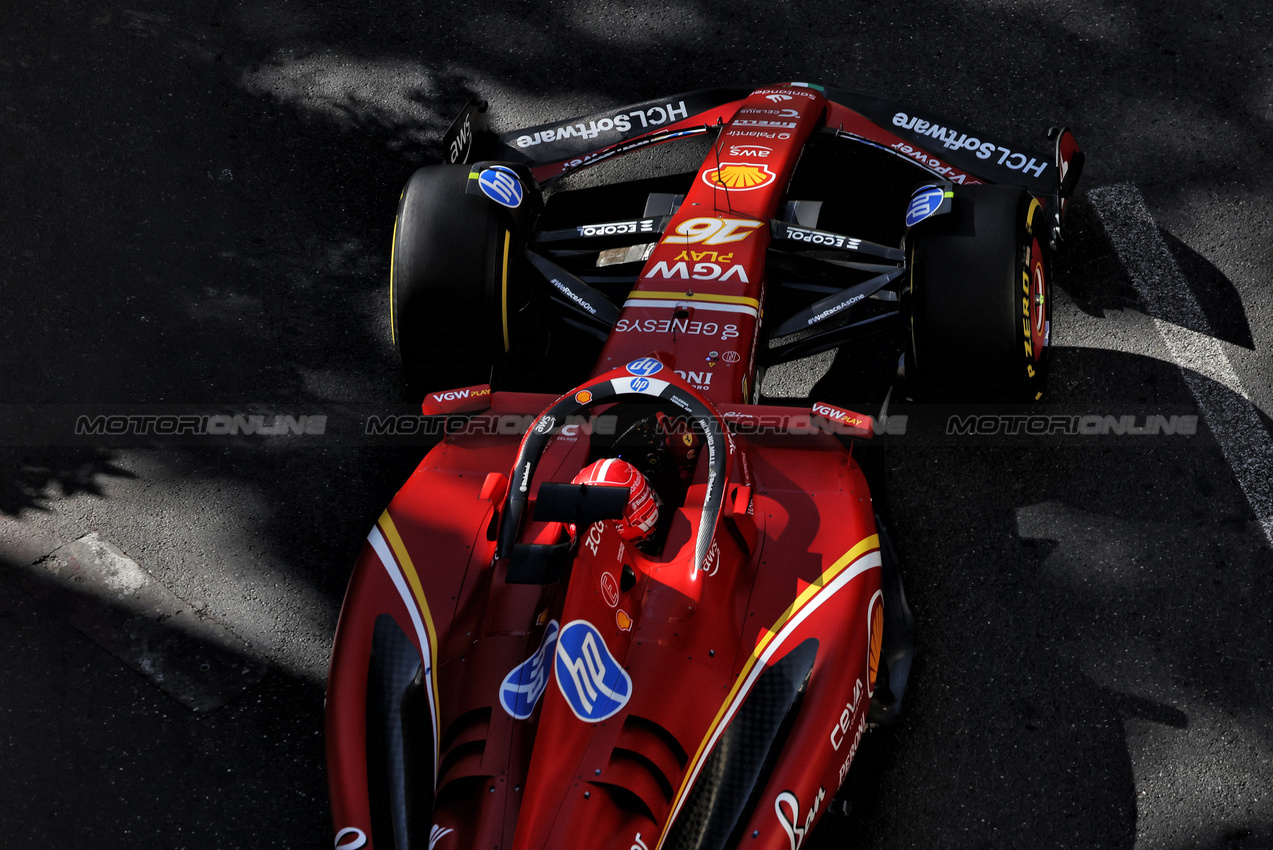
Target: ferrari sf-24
[644, 609]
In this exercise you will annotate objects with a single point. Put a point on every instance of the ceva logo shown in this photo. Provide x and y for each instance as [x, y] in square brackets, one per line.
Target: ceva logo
[590, 679]
[521, 689]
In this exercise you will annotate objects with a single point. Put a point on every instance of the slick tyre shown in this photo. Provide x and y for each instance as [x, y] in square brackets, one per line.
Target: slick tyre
[978, 299]
[449, 281]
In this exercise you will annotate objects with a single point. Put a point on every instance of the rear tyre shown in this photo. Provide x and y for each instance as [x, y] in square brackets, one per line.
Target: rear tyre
[979, 299]
[449, 280]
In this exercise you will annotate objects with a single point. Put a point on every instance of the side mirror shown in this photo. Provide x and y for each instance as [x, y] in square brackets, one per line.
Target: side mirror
[494, 487]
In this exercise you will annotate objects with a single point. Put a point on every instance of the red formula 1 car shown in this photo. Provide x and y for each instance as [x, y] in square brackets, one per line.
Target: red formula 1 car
[643, 610]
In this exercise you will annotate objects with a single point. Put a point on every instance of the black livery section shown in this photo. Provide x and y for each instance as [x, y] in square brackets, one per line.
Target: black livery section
[732, 777]
[399, 739]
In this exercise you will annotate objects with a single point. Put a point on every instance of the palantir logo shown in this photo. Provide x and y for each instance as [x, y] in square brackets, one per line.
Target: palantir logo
[590, 679]
[525, 684]
[500, 184]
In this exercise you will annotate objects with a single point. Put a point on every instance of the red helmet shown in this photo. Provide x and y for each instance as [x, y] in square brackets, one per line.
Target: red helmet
[642, 511]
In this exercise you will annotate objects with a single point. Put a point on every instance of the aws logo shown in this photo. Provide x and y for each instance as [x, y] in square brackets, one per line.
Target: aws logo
[754, 151]
[739, 176]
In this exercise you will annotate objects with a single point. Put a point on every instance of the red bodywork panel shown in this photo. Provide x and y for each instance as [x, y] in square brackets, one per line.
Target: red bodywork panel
[586, 711]
[699, 298]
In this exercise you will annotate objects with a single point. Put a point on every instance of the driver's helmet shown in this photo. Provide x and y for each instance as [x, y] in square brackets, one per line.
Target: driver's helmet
[642, 511]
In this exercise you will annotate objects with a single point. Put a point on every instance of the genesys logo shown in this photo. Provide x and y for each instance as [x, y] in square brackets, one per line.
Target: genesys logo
[525, 684]
[592, 681]
[692, 327]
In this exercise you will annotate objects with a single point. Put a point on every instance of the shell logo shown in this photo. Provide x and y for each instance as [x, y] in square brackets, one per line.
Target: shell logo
[739, 176]
[583, 397]
[875, 626]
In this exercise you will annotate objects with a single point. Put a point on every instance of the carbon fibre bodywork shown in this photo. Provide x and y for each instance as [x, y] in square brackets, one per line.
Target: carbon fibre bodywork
[499, 681]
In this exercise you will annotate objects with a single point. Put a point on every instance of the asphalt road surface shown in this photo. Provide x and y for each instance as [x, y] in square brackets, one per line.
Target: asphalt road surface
[197, 206]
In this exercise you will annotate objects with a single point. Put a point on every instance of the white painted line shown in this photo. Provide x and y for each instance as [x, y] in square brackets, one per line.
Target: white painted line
[1224, 403]
[116, 603]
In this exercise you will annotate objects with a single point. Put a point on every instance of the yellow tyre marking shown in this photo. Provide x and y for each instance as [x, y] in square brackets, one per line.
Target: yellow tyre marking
[1029, 215]
[504, 290]
[393, 250]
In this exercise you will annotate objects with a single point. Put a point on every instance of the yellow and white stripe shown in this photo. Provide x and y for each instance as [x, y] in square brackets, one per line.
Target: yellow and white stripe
[391, 551]
[864, 556]
[697, 300]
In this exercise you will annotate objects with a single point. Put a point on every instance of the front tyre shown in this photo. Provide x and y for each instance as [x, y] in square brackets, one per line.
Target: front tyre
[449, 280]
[979, 299]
